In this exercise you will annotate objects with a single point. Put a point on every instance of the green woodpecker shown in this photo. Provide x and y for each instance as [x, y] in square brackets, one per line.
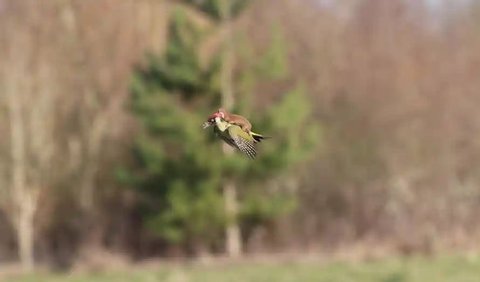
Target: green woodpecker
[234, 134]
[237, 120]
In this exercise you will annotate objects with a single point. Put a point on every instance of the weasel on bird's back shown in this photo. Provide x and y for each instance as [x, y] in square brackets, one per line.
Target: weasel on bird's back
[235, 130]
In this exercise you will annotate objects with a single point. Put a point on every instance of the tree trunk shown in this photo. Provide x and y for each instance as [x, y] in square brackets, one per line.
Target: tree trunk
[25, 233]
[23, 199]
[232, 232]
[233, 240]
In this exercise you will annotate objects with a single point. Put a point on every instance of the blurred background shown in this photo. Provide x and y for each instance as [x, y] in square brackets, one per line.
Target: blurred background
[374, 159]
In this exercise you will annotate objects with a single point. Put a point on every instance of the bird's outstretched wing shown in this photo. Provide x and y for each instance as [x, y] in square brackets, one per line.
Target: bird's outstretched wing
[242, 141]
[236, 137]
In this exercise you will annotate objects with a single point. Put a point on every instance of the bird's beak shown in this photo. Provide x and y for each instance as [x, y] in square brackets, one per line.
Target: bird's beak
[206, 125]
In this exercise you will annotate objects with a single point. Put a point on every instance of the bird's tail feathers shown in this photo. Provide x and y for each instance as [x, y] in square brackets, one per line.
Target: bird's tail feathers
[258, 137]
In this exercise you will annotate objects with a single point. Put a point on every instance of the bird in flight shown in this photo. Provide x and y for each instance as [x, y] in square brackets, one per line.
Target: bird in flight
[235, 130]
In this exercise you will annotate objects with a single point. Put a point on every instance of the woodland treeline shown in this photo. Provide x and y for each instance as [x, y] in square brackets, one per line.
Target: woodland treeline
[372, 106]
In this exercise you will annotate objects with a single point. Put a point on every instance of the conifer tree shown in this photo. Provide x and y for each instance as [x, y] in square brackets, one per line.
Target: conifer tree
[179, 168]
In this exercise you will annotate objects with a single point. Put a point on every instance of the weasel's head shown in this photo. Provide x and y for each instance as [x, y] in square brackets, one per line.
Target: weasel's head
[211, 119]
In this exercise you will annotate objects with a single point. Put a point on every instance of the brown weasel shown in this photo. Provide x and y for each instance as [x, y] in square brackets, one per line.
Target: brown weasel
[235, 119]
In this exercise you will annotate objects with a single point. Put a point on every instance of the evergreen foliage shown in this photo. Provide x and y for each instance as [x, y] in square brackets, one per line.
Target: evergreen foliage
[179, 168]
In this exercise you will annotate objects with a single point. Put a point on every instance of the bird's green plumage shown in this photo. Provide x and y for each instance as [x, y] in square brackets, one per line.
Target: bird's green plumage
[236, 137]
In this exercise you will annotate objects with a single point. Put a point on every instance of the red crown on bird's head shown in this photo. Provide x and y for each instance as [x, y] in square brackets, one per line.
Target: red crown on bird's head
[221, 113]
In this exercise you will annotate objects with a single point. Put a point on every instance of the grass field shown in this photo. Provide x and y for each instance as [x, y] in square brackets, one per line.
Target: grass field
[451, 269]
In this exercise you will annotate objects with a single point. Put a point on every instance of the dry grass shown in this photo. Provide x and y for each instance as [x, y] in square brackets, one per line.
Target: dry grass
[414, 269]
